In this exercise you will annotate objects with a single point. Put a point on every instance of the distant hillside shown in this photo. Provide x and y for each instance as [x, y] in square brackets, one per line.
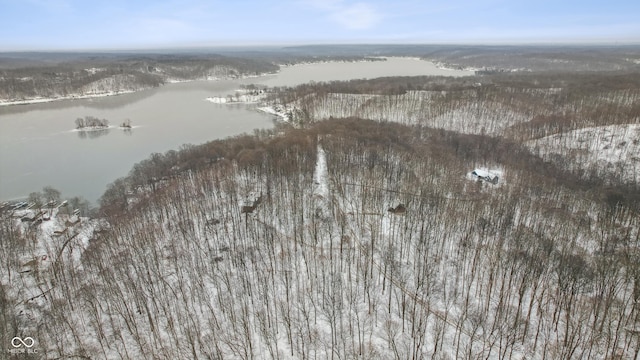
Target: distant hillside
[111, 74]
[522, 107]
[498, 58]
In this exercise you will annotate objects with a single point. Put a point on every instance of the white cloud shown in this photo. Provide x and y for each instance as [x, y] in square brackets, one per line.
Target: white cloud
[356, 16]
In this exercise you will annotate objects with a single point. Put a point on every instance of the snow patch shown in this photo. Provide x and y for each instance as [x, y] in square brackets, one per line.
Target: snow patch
[93, 71]
[321, 175]
[321, 198]
[491, 175]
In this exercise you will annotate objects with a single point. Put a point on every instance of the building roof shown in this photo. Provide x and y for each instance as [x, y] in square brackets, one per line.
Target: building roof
[483, 174]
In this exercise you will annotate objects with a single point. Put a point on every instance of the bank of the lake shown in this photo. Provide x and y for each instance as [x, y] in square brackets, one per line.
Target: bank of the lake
[38, 146]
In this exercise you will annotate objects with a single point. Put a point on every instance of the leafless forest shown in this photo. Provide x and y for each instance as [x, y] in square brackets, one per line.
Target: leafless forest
[26, 76]
[98, 74]
[548, 112]
[355, 231]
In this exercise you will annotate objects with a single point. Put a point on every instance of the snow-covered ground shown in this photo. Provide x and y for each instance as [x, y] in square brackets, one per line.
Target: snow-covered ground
[611, 151]
[321, 193]
[59, 238]
[412, 107]
[320, 267]
[281, 111]
[106, 87]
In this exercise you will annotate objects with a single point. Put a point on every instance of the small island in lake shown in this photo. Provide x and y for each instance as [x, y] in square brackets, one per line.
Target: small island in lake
[92, 127]
[126, 124]
[91, 123]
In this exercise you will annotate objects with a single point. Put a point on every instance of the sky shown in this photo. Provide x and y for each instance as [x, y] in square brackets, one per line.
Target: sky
[134, 24]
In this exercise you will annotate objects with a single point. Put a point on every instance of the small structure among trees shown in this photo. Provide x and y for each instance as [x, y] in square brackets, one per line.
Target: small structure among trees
[248, 209]
[400, 209]
[485, 175]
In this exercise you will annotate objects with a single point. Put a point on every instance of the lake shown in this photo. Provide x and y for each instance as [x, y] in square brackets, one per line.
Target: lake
[39, 146]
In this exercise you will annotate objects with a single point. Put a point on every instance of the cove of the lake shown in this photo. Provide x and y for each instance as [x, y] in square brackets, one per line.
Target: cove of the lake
[39, 146]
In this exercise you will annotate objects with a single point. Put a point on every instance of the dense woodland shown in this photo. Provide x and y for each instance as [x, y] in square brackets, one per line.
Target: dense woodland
[549, 112]
[493, 59]
[99, 75]
[24, 76]
[497, 59]
[355, 230]
[91, 122]
[27, 76]
[283, 245]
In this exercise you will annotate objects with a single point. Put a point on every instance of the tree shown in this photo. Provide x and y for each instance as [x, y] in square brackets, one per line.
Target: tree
[78, 202]
[115, 199]
[36, 198]
[50, 194]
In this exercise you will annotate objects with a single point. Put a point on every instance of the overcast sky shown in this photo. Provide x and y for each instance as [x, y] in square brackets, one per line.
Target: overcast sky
[127, 24]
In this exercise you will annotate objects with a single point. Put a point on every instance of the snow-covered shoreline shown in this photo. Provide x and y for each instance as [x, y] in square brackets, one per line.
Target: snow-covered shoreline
[40, 100]
[5, 102]
[93, 128]
[100, 128]
[216, 78]
[70, 97]
[368, 59]
[240, 97]
[272, 111]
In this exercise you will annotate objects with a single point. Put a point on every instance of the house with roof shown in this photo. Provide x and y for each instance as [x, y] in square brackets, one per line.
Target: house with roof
[484, 175]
